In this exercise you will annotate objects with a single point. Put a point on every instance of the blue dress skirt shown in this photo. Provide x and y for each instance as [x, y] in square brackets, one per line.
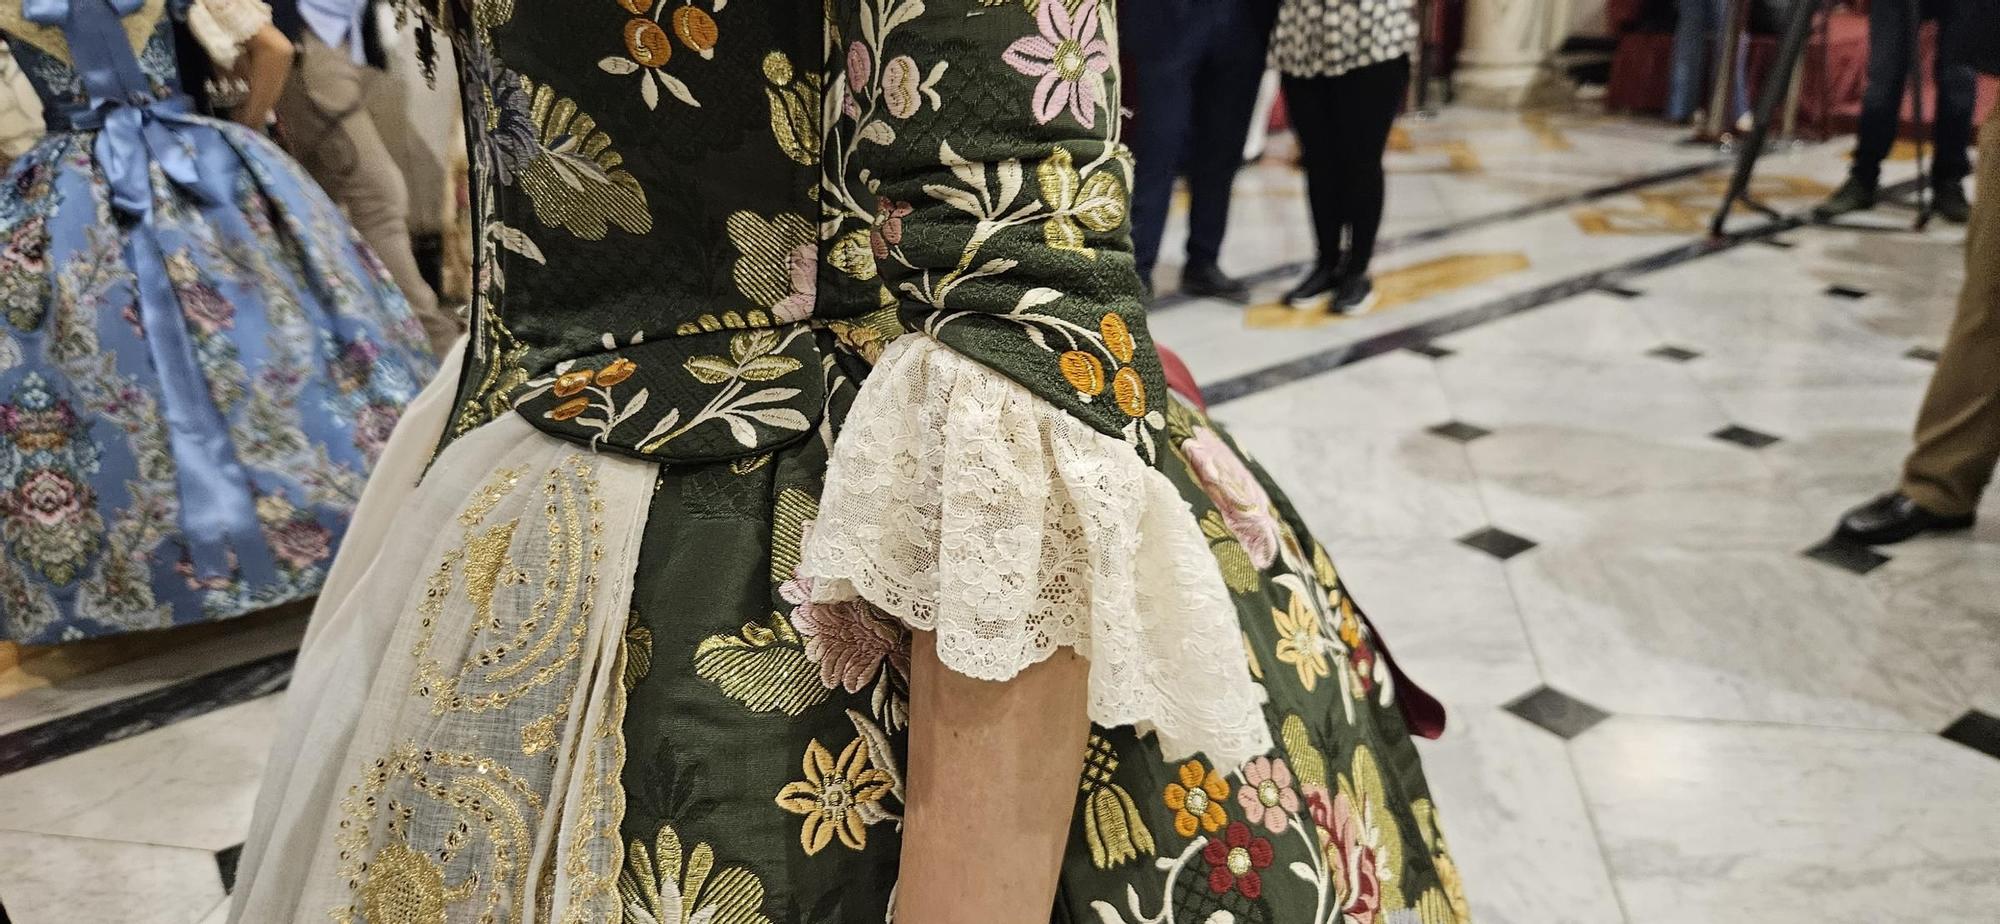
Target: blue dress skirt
[199, 360]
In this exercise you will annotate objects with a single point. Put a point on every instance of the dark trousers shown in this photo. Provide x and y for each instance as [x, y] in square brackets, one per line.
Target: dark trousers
[1343, 123]
[1194, 69]
[1892, 30]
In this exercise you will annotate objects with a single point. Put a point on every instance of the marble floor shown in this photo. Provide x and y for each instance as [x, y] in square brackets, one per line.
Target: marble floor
[1578, 465]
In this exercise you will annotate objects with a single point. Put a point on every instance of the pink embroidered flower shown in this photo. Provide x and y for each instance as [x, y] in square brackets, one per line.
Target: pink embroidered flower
[372, 427]
[1069, 57]
[803, 265]
[1246, 508]
[888, 229]
[48, 498]
[300, 542]
[1234, 861]
[1269, 798]
[859, 63]
[848, 640]
[1357, 883]
[206, 309]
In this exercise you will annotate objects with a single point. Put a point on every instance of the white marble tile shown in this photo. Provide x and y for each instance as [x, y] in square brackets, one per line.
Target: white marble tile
[191, 784]
[1706, 822]
[1447, 613]
[1367, 483]
[1517, 824]
[46, 879]
[1591, 326]
[220, 915]
[1752, 636]
[1395, 391]
[1626, 394]
[1564, 484]
[1944, 592]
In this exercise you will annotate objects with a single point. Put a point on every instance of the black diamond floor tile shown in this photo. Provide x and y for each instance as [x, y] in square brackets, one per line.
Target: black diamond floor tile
[225, 864]
[1460, 431]
[1431, 350]
[1922, 354]
[1978, 731]
[1745, 437]
[1847, 556]
[1776, 242]
[1673, 353]
[1847, 292]
[1558, 712]
[1610, 288]
[3, 915]
[1498, 543]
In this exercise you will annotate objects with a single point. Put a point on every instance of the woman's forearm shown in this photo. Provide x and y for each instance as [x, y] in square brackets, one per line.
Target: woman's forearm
[991, 786]
[265, 65]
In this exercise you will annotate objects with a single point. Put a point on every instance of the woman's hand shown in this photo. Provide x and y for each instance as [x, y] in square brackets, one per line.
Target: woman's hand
[991, 786]
[265, 64]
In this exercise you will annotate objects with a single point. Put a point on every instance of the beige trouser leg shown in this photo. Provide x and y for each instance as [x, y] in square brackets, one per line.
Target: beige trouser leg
[326, 126]
[1958, 432]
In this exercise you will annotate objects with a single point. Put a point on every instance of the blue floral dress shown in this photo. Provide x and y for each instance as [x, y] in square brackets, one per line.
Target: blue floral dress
[199, 361]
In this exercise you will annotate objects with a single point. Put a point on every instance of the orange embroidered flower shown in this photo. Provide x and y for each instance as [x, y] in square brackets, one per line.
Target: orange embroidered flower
[570, 383]
[696, 30]
[832, 795]
[619, 370]
[1084, 372]
[569, 409]
[1117, 337]
[647, 43]
[1197, 799]
[636, 7]
[1130, 391]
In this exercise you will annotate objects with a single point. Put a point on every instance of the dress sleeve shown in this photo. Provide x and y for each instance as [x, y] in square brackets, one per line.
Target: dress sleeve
[994, 481]
[222, 26]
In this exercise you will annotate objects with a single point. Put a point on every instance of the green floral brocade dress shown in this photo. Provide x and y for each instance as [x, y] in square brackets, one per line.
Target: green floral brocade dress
[801, 324]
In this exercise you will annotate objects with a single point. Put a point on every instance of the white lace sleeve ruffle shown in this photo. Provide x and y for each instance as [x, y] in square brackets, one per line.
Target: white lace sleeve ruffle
[222, 26]
[963, 504]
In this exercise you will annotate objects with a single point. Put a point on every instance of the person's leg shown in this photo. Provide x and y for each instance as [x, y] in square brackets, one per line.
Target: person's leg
[1162, 78]
[1890, 31]
[1375, 96]
[1690, 63]
[326, 126]
[1958, 430]
[1313, 106]
[1957, 94]
[1739, 102]
[1232, 67]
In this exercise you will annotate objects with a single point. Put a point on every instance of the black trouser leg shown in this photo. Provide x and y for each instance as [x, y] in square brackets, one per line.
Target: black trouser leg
[1163, 77]
[1957, 93]
[1376, 97]
[1225, 100]
[1313, 106]
[1343, 128]
[1891, 34]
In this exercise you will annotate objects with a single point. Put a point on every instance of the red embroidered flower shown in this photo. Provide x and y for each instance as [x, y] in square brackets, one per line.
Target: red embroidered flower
[48, 498]
[300, 542]
[888, 229]
[1234, 861]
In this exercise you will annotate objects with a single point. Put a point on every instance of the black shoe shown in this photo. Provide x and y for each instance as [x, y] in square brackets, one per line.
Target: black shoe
[1950, 205]
[1356, 295]
[1855, 195]
[1206, 280]
[1892, 518]
[1315, 291]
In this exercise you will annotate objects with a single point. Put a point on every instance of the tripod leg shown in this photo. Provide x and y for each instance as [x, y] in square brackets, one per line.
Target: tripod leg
[1777, 86]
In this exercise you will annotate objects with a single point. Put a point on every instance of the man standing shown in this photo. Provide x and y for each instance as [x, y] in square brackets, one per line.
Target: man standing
[1892, 39]
[323, 117]
[1958, 430]
[1195, 66]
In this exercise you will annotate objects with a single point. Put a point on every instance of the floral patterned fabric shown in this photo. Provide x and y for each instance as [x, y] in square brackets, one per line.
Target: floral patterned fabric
[298, 349]
[701, 224]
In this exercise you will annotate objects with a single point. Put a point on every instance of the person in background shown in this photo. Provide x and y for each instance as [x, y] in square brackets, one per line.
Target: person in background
[1700, 28]
[1892, 37]
[1196, 66]
[1958, 429]
[1346, 66]
[324, 121]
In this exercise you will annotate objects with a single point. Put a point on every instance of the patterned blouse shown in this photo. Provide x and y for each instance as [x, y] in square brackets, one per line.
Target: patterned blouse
[1327, 38]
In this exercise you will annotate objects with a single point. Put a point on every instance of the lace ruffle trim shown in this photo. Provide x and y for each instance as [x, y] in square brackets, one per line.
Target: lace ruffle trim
[222, 26]
[961, 503]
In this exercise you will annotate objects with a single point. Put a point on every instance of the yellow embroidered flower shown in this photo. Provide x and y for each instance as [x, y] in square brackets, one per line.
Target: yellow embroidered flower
[670, 884]
[832, 794]
[1084, 372]
[1117, 337]
[1299, 641]
[696, 29]
[570, 383]
[403, 885]
[619, 370]
[1197, 799]
[1130, 390]
[569, 409]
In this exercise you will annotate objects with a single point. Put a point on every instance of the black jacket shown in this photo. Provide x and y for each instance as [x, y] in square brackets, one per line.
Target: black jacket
[285, 15]
[1979, 38]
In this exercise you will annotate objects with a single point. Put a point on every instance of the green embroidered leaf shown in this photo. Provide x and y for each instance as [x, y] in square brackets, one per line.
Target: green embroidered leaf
[764, 668]
[1237, 570]
[711, 370]
[769, 368]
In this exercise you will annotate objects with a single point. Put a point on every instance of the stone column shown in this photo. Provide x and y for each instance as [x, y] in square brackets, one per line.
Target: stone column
[1509, 54]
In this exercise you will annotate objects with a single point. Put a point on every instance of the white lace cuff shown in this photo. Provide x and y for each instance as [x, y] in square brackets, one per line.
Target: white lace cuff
[222, 26]
[963, 504]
